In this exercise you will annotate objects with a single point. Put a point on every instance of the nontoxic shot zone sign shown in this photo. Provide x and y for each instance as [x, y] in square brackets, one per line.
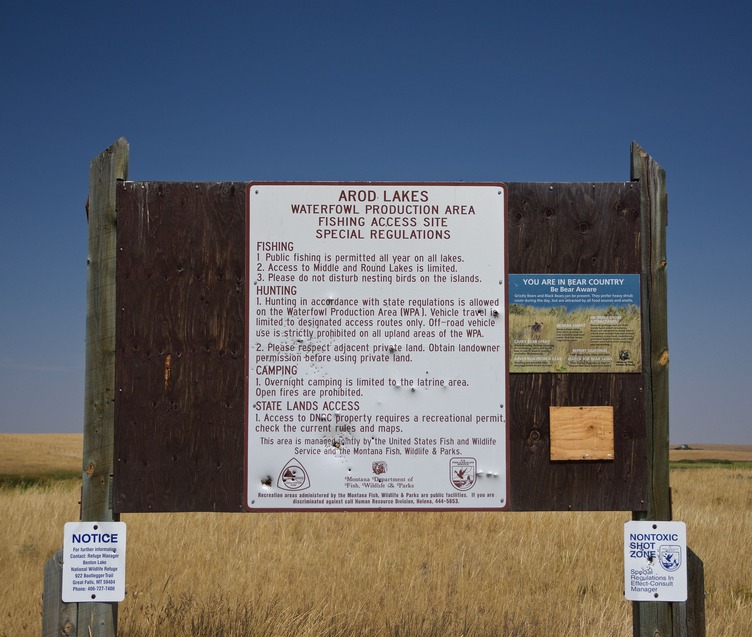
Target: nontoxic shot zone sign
[377, 332]
[655, 561]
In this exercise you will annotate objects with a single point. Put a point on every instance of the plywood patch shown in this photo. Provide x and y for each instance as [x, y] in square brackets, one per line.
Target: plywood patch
[582, 433]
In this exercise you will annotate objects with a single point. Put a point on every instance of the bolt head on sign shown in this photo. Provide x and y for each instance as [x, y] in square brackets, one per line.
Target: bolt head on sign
[655, 561]
[94, 562]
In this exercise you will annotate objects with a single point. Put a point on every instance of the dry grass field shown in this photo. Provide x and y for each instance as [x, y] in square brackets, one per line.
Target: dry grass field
[713, 453]
[40, 454]
[383, 574]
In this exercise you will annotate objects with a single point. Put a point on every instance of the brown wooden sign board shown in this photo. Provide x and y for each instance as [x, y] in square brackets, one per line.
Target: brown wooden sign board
[180, 348]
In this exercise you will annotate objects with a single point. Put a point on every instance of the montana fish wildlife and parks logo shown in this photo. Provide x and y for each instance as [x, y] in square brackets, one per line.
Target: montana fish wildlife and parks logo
[293, 477]
[379, 467]
[462, 473]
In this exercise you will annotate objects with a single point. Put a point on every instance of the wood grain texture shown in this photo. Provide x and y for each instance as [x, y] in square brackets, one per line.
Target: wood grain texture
[579, 228]
[689, 617]
[654, 618]
[654, 206]
[180, 435]
[58, 617]
[582, 433]
[106, 171]
[180, 348]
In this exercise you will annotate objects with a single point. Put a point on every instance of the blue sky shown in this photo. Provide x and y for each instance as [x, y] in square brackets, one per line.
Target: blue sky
[395, 91]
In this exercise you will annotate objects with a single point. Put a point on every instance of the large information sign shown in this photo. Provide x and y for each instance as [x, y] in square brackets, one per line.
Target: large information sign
[377, 332]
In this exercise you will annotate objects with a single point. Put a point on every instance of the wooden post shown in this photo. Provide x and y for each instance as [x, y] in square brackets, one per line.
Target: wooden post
[654, 219]
[58, 618]
[111, 166]
[689, 616]
[653, 619]
[94, 619]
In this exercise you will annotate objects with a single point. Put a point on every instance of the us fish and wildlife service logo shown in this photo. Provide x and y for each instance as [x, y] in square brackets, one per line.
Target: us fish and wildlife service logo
[670, 557]
[463, 473]
[293, 477]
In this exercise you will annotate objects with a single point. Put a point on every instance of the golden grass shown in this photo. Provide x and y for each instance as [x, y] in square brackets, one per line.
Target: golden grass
[40, 454]
[31, 531]
[716, 505]
[384, 574]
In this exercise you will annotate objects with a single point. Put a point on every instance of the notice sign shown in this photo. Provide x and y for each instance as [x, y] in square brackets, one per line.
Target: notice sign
[94, 562]
[574, 323]
[377, 346]
[655, 561]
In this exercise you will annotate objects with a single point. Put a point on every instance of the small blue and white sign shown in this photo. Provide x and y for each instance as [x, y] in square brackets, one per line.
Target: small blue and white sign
[94, 562]
[655, 561]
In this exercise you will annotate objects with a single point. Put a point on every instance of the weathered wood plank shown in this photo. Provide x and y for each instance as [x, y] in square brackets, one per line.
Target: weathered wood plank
[589, 229]
[106, 170]
[654, 205]
[58, 618]
[537, 483]
[689, 616]
[651, 618]
[181, 345]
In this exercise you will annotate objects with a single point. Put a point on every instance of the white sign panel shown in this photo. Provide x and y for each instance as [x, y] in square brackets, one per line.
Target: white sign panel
[94, 562]
[655, 561]
[376, 346]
